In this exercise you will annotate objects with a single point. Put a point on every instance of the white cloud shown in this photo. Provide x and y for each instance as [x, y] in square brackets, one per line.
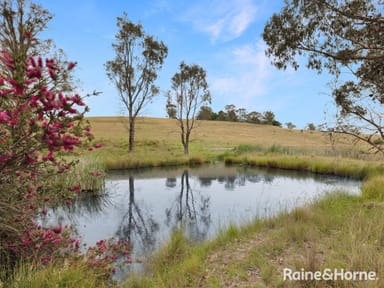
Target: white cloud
[242, 19]
[249, 78]
[221, 20]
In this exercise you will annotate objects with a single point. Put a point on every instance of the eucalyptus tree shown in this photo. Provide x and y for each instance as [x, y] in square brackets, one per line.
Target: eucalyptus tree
[205, 113]
[231, 113]
[345, 38]
[171, 109]
[290, 125]
[139, 57]
[21, 25]
[189, 92]
[268, 118]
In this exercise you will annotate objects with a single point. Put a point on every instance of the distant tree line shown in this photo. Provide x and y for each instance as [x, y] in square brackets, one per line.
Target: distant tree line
[232, 114]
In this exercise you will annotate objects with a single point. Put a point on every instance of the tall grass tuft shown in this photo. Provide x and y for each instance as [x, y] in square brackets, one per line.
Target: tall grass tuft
[88, 173]
[177, 247]
[78, 276]
[373, 188]
[173, 265]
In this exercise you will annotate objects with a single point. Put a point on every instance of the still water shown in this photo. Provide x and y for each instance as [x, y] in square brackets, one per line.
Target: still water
[144, 206]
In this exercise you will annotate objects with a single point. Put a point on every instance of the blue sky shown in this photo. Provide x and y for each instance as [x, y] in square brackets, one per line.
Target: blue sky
[224, 37]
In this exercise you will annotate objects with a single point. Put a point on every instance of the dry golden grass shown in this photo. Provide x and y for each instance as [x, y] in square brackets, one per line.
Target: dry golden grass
[213, 134]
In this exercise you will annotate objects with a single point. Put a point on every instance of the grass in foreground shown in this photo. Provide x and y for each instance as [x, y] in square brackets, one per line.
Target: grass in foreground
[51, 277]
[338, 232]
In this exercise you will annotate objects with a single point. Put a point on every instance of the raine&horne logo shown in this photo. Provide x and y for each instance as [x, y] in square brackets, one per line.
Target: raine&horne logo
[328, 274]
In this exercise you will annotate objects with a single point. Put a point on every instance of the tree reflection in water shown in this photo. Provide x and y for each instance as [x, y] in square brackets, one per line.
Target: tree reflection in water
[137, 225]
[187, 212]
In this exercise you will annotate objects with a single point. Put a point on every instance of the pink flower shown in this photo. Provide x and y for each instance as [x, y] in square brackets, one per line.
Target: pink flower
[34, 73]
[75, 188]
[26, 242]
[72, 111]
[28, 34]
[30, 196]
[57, 229]
[4, 117]
[56, 240]
[52, 74]
[71, 65]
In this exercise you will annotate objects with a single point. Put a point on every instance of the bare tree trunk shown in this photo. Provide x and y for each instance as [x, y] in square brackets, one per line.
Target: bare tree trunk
[131, 134]
[184, 136]
[186, 149]
[186, 143]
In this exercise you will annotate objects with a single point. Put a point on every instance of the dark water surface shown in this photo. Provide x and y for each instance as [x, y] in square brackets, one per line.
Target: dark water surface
[144, 206]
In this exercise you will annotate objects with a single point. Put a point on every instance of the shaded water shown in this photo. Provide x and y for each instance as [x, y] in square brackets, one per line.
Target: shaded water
[144, 206]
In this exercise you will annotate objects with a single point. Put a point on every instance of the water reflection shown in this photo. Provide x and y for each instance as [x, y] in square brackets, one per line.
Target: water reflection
[143, 207]
[136, 223]
[188, 212]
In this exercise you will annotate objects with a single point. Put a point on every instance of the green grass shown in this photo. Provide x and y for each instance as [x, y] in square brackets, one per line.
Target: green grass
[373, 188]
[88, 173]
[352, 168]
[78, 276]
[340, 231]
[158, 143]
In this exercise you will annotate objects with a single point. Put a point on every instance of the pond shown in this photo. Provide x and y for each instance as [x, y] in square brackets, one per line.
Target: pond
[144, 206]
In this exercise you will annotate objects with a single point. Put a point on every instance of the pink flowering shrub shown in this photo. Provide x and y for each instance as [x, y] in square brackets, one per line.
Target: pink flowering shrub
[38, 124]
[39, 244]
[44, 245]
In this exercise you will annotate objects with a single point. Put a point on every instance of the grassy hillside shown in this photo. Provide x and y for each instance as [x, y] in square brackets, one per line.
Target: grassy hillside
[158, 141]
[208, 133]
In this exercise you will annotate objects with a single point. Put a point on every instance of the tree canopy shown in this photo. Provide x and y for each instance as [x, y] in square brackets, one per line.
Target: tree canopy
[345, 38]
[134, 70]
[190, 92]
[21, 25]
